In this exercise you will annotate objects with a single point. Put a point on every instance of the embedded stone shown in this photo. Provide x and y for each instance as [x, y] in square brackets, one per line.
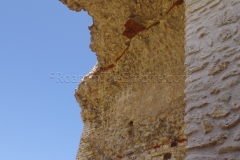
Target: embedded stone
[215, 3]
[235, 29]
[227, 17]
[206, 126]
[209, 41]
[225, 97]
[195, 117]
[206, 54]
[191, 78]
[222, 5]
[188, 118]
[230, 74]
[218, 111]
[227, 84]
[237, 57]
[237, 38]
[231, 121]
[236, 105]
[192, 48]
[198, 116]
[222, 48]
[237, 136]
[196, 68]
[231, 52]
[198, 6]
[208, 140]
[235, 146]
[224, 35]
[214, 90]
[233, 2]
[204, 33]
[218, 68]
[199, 85]
[195, 97]
[188, 61]
[195, 105]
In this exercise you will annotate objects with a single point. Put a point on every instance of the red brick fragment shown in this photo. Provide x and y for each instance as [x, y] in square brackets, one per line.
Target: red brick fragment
[155, 147]
[132, 29]
[120, 157]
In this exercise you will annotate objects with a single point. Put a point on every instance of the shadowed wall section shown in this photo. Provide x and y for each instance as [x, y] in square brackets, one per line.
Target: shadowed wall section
[133, 100]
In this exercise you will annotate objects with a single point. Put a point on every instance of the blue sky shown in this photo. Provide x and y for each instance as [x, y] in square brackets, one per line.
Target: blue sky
[40, 41]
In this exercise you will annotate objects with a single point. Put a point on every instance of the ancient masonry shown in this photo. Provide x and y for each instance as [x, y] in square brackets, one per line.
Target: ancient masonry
[166, 86]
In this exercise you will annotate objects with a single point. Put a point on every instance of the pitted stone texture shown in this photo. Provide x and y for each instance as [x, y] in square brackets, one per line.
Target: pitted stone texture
[133, 100]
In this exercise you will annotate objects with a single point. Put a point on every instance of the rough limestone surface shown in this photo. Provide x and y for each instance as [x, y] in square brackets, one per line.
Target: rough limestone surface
[136, 103]
[212, 61]
[133, 102]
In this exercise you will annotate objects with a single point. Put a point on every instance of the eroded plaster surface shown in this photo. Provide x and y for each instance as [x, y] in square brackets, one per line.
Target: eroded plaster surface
[213, 88]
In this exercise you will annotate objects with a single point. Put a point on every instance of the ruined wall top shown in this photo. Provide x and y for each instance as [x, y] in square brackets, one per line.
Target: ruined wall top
[132, 101]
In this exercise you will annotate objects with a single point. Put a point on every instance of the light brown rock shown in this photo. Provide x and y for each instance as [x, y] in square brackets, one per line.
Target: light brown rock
[206, 126]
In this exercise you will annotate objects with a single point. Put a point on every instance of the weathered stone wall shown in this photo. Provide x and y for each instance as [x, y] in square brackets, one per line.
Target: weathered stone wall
[133, 102]
[213, 89]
